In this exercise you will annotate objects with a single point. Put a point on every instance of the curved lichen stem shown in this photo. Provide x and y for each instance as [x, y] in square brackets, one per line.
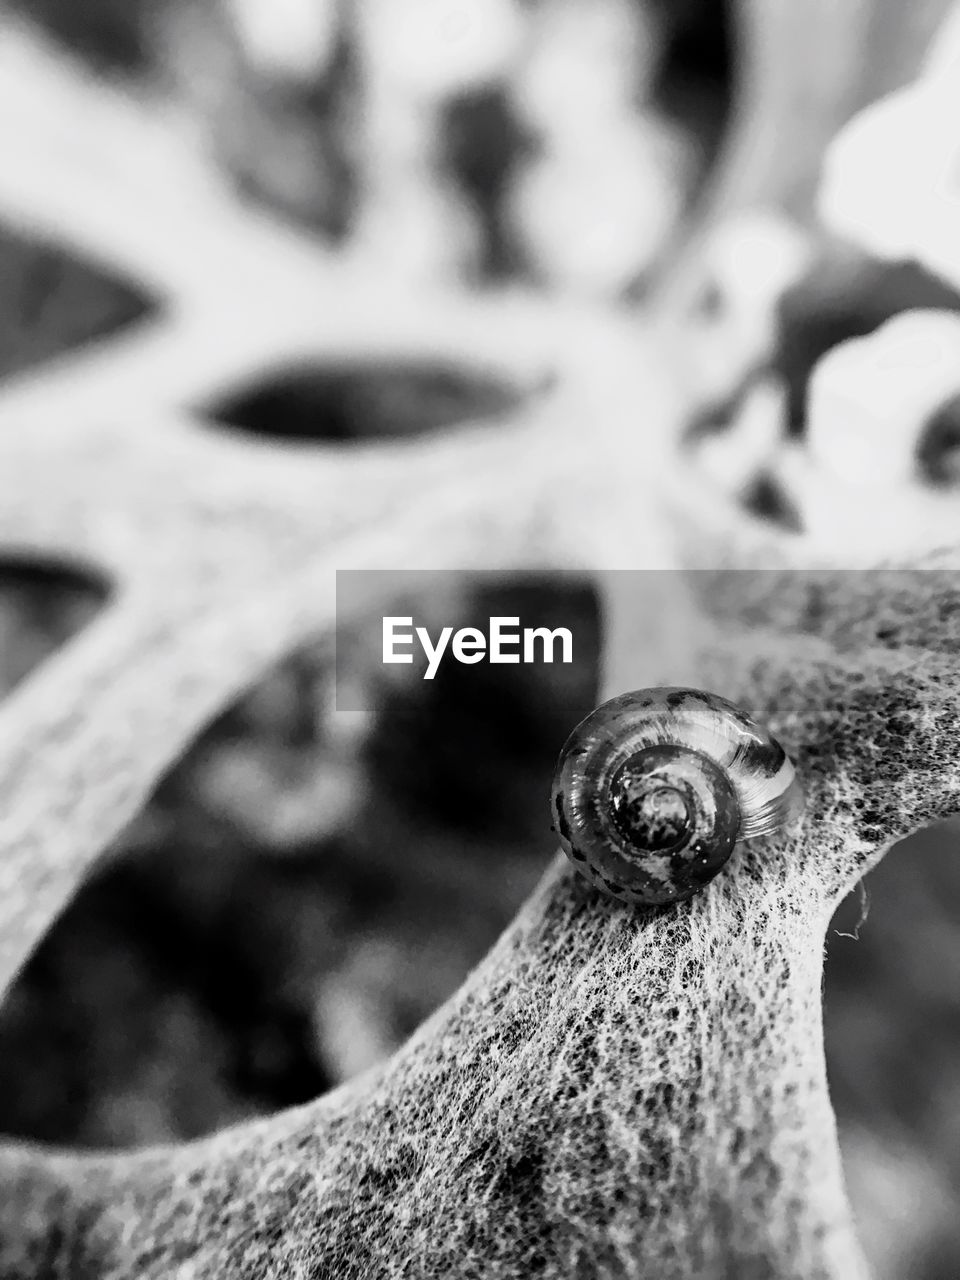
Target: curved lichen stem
[611, 1089]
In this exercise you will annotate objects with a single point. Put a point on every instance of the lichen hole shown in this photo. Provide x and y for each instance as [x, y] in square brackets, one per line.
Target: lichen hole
[359, 400]
[53, 301]
[303, 887]
[43, 603]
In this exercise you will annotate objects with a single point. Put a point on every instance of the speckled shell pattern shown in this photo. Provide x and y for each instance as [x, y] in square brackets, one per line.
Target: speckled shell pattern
[654, 788]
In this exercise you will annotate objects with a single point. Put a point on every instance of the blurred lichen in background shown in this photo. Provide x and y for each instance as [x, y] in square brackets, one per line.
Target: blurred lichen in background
[553, 139]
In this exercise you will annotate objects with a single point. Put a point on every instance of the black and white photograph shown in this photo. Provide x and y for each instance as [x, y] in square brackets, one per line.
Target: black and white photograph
[479, 639]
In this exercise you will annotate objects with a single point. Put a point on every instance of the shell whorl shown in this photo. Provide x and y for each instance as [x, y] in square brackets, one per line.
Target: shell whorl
[654, 788]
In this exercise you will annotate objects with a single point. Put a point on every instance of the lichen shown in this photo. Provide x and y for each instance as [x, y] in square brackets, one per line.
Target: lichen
[614, 1091]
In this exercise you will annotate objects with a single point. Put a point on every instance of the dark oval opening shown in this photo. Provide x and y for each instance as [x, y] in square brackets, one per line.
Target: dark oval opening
[355, 402]
[113, 35]
[42, 604]
[53, 301]
[223, 962]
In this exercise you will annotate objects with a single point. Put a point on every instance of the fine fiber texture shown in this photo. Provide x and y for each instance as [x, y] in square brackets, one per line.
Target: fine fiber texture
[615, 1091]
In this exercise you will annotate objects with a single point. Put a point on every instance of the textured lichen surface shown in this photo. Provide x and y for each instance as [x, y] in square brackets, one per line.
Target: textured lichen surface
[613, 1092]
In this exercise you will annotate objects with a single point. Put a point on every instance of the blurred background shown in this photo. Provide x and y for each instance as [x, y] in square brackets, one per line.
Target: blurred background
[305, 887]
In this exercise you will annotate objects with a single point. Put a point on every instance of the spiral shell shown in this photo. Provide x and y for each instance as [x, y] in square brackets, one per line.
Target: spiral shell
[654, 788]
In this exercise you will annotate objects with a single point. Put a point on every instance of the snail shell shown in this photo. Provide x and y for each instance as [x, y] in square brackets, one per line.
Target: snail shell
[654, 788]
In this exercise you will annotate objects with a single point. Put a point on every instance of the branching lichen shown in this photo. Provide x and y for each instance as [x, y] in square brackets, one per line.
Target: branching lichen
[613, 1092]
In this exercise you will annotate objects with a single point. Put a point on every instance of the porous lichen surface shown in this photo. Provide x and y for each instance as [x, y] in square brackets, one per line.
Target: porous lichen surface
[613, 1092]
